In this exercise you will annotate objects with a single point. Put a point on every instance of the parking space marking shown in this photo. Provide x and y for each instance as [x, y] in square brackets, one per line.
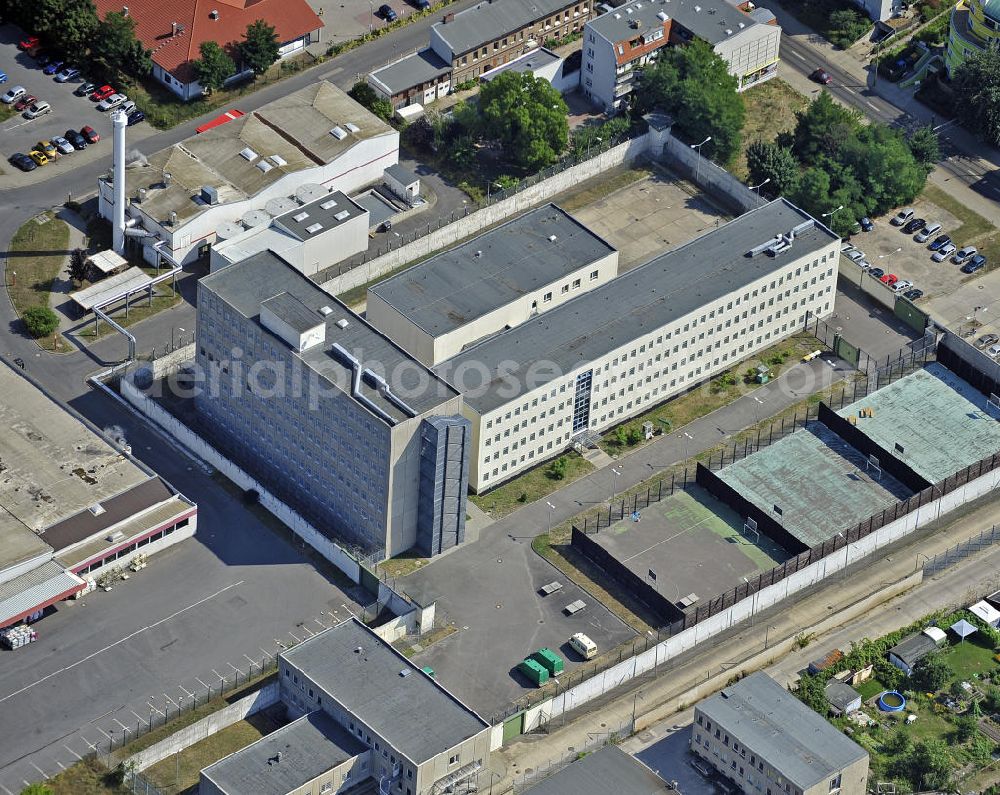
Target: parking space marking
[72, 752]
[154, 709]
[6, 790]
[251, 661]
[187, 692]
[61, 765]
[294, 636]
[202, 683]
[168, 698]
[39, 769]
[221, 677]
[106, 735]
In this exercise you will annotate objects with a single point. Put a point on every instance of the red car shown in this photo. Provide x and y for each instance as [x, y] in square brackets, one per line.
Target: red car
[822, 77]
[28, 42]
[102, 93]
[90, 134]
[25, 102]
[889, 279]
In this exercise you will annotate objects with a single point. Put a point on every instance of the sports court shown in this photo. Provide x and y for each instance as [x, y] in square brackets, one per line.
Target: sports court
[813, 483]
[693, 544]
[932, 420]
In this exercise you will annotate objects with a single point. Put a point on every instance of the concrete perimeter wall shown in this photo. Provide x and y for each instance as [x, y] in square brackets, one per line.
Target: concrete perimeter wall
[868, 284]
[764, 599]
[169, 362]
[488, 216]
[267, 696]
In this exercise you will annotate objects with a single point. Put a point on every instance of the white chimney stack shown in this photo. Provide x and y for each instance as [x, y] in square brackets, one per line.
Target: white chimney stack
[120, 121]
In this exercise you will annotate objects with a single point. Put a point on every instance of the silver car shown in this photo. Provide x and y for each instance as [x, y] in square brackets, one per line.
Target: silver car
[944, 252]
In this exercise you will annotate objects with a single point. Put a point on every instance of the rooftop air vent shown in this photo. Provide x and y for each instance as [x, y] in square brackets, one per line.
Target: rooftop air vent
[697, 9]
[342, 323]
[325, 311]
[628, 11]
[352, 127]
[358, 649]
[742, 25]
[300, 217]
[343, 215]
[248, 154]
[312, 229]
[329, 204]
[634, 24]
[264, 166]
[338, 133]
[662, 16]
[405, 672]
[278, 160]
[729, 31]
[96, 509]
[552, 238]
[213, 14]
[618, 16]
[118, 535]
[479, 253]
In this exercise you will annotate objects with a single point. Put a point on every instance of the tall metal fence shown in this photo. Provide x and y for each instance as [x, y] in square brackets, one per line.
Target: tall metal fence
[595, 741]
[961, 551]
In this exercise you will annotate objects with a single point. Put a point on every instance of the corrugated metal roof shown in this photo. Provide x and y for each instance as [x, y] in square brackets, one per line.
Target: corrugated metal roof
[38, 586]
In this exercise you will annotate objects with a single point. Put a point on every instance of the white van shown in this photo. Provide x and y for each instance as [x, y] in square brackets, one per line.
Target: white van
[925, 234]
[583, 646]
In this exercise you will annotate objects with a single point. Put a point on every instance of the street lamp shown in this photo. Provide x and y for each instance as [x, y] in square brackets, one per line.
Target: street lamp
[172, 329]
[371, 16]
[832, 213]
[615, 472]
[687, 438]
[753, 601]
[551, 509]
[758, 187]
[635, 700]
[880, 256]
[697, 165]
[599, 141]
[766, 631]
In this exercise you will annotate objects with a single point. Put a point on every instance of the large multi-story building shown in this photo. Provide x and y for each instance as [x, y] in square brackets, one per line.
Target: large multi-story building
[624, 346]
[341, 424]
[766, 741]
[617, 44]
[367, 721]
[470, 43]
[975, 26]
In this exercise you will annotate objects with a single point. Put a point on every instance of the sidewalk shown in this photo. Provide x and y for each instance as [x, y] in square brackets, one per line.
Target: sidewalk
[708, 668]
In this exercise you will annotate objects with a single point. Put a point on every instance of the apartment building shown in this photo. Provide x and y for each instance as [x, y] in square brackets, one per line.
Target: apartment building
[617, 44]
[493, 32]
[657, 330]
[367, 721]
[497, 280]
[766, 741]
[341, 424]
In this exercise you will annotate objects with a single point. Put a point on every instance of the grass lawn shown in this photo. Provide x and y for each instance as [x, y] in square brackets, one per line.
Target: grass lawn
[969, 659]
[137, 312]
[870, 688]
[179, 772]
[532, 485]
[771, 109]
[37, 253]
[88, 777]
[600, 188]
[401, 565]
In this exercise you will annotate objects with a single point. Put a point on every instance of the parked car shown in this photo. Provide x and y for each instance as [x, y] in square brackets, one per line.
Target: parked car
[944, 252]
[583, 646]
[889, 279]
[938, 242]
[977, 263]
[53, 66]
[878, 273]
[986, 340]
[902, 285]
[913, 295]
[845, 246]
[821, 76]
[421, 4]
[38, 109]
[25, 101]
[84, 88]
[864, 264]
[112, 102]
[913, 225]
[68, 73]
[22, 161]
[385, 11]
[90, 134]
[74, 137]
[993, 350]
[28, 42]
[48, 147]
[867, 225]
[13, 94]
[3, 78]
[39, 157]
[902, 217]
[63, 146]
[102, 93]
[854, 254]
[42, 58]
[135, 117]
[929, 229]
[127, 107]
[964, 253]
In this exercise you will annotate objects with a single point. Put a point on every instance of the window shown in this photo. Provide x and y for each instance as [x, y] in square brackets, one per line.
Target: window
[453, 760]
[565, 289]
[593, 276]
[835, 783]
[576, 283]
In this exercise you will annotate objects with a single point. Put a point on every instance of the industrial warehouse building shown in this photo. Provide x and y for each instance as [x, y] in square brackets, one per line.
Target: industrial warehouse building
[367, 721]
[72, 503]
[344, 426]
[608, 353]
[241, 174]
[763, 739]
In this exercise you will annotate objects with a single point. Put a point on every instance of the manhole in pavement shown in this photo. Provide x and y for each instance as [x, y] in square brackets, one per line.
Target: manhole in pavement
[499, 605]
[499, 560]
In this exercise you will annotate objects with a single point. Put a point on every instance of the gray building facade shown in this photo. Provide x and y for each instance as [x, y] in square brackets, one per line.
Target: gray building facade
[326, 412]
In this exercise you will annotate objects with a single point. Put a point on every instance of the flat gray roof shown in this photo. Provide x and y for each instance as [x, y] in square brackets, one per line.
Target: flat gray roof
[530, 61]
[914, 648]
[291, 310]
[309, 746]
[840, 694]
[414, 713]
[638, 302]
[602, 772]
[776, 726]
[420, 67]
[488, 21]
[709, 19]
[457, 286]
[245, 285]
[328, 212]
[401, 174]
[616, 25]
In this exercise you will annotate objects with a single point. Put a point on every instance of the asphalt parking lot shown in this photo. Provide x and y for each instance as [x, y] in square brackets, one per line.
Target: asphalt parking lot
[68, 111]
[670, 758]
[348, 19]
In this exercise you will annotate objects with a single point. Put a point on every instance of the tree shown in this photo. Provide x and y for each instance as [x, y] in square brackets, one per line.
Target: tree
[976, 86]
[116, 48]
[69, 25]
[931, 765]
[965, 727]
[925, 146]
[822, 128]
[557, 469]
[846, 26]
[365, 95]
[932, 673]
[811, 691]
[40, 321]
[768, 161]
[259, 48]
[526, 116]
[78, 265]
[693, 84]
[37, 789]
[213, 67]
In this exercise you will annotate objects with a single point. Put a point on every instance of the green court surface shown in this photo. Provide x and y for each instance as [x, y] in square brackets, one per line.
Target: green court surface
[942, 423]
[817, 480]
[693, 544]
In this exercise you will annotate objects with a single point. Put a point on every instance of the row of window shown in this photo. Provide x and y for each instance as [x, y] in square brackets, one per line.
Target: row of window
[126, 551]
[575, 285]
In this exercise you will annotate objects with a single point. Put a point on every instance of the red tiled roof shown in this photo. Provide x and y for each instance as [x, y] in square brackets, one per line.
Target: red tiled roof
[154, 25]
